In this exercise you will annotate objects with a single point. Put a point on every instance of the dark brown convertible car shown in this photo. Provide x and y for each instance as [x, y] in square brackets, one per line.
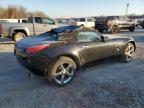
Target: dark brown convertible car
[60, 52]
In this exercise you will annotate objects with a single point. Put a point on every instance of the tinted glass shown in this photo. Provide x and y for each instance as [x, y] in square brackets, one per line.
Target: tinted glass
[123, 18]
[38, 20]
[30, 20]
[47, 21]
[111, 18]
[82, 19]
[88, 37]
[90, 20]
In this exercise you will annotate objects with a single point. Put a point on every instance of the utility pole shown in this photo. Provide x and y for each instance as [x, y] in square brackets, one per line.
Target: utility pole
[127, 7]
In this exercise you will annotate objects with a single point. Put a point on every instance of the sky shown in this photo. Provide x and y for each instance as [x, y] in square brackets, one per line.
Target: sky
[79, 8]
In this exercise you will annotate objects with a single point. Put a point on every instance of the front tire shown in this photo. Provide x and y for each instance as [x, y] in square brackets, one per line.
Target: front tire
[128, 53]
[19, 36]
[62, 71]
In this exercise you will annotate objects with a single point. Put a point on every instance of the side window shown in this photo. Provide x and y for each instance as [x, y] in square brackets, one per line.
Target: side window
[47, 21]
[38, 20]
[116, 18]
[111, 18]
[82, 19]
[30, 20]
[88, 37]
[123, 18]
[24, 21]
[90, 20]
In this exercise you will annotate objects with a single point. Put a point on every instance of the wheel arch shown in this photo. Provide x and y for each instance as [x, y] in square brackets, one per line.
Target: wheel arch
[73, 57]
[19, 30]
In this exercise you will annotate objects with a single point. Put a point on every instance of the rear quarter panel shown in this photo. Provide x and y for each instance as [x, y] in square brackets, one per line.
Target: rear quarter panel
[63, 49]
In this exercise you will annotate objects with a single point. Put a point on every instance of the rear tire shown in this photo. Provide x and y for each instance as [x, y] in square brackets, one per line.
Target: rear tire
[62, 71]
[19, 36]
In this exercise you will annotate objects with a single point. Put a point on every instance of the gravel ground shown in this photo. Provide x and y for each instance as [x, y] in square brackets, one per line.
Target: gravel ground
[104, 84]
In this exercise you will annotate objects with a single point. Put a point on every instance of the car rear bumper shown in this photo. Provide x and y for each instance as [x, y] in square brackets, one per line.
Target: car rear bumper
[37, 62]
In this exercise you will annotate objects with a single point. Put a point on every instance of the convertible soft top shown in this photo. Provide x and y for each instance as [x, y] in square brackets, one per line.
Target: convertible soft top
[72, 35]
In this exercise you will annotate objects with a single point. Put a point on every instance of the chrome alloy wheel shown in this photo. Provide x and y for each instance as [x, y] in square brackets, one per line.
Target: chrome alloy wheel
[64, 73]
[129, 52]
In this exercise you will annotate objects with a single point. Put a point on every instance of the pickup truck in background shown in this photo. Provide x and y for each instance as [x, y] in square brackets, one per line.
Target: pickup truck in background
[33, 26]
[142, 24]
[21, 20]
[113, 24]
[87, 22]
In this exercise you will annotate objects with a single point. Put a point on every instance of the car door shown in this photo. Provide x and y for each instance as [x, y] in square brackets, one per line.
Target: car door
[92, 48]
[43, 25]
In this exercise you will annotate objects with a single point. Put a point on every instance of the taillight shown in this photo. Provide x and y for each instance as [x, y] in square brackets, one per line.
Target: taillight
[36, 49]
[1, 31]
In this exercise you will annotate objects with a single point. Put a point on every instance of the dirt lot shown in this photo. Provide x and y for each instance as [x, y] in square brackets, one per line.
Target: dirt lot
[104, 84]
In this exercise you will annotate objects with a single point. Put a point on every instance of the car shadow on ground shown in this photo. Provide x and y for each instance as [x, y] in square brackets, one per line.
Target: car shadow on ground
[15, 82]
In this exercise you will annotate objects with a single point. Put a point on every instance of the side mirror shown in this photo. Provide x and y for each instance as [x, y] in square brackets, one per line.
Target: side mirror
[103, 38]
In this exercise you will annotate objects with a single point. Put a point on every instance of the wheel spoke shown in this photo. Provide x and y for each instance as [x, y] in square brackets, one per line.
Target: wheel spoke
[131, 51]
[69, 74]
[130, 55]
[129, 48]
[68, 67]
[64, 73]
[62, 78]
[62, 67]
[58, 74]
[127, 57]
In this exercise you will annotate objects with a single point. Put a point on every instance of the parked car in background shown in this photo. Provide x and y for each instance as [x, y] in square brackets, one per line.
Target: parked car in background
[33, 26]
[86, 22]
[62, 21]
[115, 23]
[60, 52]
[142, 24]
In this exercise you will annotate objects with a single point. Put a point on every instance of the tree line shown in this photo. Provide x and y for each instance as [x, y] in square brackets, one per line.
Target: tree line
[18, 12]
